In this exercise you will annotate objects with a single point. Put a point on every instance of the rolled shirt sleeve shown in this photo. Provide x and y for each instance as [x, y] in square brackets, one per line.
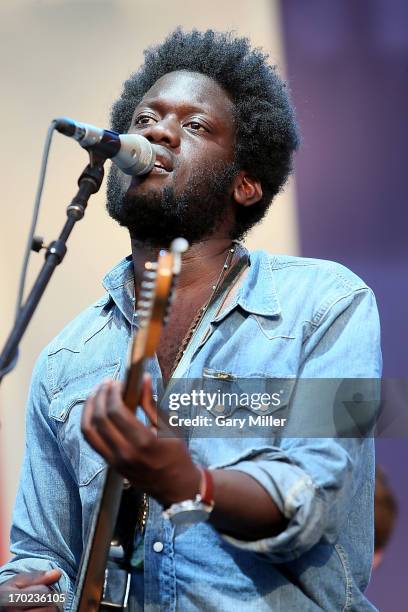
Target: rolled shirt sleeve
[313, 480]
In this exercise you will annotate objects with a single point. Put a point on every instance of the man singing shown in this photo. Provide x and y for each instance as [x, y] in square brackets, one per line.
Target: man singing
[288, 520]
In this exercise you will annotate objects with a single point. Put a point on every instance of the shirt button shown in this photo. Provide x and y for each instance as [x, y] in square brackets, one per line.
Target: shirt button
[158, 547]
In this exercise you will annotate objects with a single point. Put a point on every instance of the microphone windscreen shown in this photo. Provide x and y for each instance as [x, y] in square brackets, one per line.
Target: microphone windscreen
[136, 155]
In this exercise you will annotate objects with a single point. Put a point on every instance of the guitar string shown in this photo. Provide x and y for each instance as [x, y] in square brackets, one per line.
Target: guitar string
[144, 507]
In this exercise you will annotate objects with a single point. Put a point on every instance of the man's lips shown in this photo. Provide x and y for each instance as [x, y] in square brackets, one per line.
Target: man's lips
[158, 168]
[163, 162]
[163, 165]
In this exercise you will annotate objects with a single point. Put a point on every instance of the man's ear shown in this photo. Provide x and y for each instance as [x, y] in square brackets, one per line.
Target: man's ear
[246, 190]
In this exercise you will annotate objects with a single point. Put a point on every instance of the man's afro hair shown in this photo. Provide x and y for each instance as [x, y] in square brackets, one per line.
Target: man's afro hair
[266, 130]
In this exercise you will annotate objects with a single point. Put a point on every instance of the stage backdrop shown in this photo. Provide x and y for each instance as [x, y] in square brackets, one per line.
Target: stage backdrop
[347, 62]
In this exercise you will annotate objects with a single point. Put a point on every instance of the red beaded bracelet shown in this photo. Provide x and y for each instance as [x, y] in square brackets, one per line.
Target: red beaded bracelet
[206, 487]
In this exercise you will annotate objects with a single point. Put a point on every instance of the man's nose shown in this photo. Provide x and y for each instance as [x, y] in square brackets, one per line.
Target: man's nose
[167, 131]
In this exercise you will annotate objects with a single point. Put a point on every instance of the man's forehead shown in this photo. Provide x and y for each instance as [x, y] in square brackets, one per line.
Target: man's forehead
[195, 88]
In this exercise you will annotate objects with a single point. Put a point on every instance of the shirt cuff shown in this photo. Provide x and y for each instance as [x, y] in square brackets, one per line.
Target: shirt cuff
[296, 496]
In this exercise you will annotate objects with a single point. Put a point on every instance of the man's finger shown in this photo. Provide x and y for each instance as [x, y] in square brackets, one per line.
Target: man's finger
[113, 432]
[120, 429]
[147, 402]
[32, 578]
[124, 420]
[157, 417]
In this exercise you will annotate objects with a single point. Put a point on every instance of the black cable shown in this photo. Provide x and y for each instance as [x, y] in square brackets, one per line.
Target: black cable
[36, 210]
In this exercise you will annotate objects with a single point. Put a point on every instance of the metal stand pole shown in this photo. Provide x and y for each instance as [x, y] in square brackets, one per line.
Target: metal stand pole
[89, 182]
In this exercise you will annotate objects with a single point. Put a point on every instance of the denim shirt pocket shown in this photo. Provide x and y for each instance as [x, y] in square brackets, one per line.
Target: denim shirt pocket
[261, 395]
[66, 410]
[245, 414]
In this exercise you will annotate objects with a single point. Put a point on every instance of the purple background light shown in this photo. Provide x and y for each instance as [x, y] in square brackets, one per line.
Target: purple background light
[348, 69]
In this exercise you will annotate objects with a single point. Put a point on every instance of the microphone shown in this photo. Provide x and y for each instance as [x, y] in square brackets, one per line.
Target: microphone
[132, 153]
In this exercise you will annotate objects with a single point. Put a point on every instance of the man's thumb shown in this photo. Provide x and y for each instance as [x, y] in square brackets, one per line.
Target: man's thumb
[33, 578]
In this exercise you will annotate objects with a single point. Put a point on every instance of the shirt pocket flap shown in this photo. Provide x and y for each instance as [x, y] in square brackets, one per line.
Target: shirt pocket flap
[78, 391]
[66, 409]
[228, 393]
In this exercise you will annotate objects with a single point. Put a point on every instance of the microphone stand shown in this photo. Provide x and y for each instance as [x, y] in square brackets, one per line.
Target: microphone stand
[89, 182]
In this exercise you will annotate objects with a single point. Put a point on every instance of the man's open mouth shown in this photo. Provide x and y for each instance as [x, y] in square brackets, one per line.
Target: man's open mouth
[160, 166]
[163, 162]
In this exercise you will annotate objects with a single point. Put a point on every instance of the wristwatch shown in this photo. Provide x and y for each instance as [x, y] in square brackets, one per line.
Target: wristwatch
[192, 511]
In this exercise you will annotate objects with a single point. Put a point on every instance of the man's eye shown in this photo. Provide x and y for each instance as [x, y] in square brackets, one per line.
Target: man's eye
[196, 126]
[144, 120]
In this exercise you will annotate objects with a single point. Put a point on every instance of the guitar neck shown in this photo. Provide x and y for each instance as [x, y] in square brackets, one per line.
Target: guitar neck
[91, 575]
[155, 294]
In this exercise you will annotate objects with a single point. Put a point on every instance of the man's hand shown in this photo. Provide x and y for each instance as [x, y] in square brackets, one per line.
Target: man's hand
[28, 583]
[161, 467]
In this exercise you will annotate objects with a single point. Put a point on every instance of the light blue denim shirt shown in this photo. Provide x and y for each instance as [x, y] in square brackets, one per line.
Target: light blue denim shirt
[291, 317]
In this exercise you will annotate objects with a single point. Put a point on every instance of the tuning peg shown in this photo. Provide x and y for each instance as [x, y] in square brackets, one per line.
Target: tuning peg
[147, 284]
[179, 245]
[151, 265]
[146, 295]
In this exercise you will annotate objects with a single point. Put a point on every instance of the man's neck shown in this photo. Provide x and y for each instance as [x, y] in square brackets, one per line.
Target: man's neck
[201, 264]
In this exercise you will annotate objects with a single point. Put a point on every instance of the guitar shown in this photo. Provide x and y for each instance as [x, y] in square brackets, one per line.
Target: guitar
[153, 310]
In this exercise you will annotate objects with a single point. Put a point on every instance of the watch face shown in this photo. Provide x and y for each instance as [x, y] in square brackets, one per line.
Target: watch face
[189, 517]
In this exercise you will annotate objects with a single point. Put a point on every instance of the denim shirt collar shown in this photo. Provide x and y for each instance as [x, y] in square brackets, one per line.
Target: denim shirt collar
[119, 283]
[257, 294]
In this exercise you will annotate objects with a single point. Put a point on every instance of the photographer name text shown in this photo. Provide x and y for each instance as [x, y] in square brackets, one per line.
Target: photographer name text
[222, 421]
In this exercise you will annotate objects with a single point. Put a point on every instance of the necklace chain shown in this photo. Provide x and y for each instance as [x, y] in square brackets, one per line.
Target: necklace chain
[144, 506]
[201, 311]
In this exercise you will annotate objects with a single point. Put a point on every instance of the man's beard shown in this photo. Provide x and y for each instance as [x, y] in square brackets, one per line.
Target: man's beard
[158, 217]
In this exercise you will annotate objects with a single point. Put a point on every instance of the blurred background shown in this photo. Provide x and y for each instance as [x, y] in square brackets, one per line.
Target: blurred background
[346, 62]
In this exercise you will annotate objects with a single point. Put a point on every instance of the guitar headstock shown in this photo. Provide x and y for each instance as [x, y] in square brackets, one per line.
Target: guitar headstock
[156, 294]
[153, 309]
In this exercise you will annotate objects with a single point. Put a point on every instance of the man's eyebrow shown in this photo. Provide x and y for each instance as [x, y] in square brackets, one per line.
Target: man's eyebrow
[185, 107]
